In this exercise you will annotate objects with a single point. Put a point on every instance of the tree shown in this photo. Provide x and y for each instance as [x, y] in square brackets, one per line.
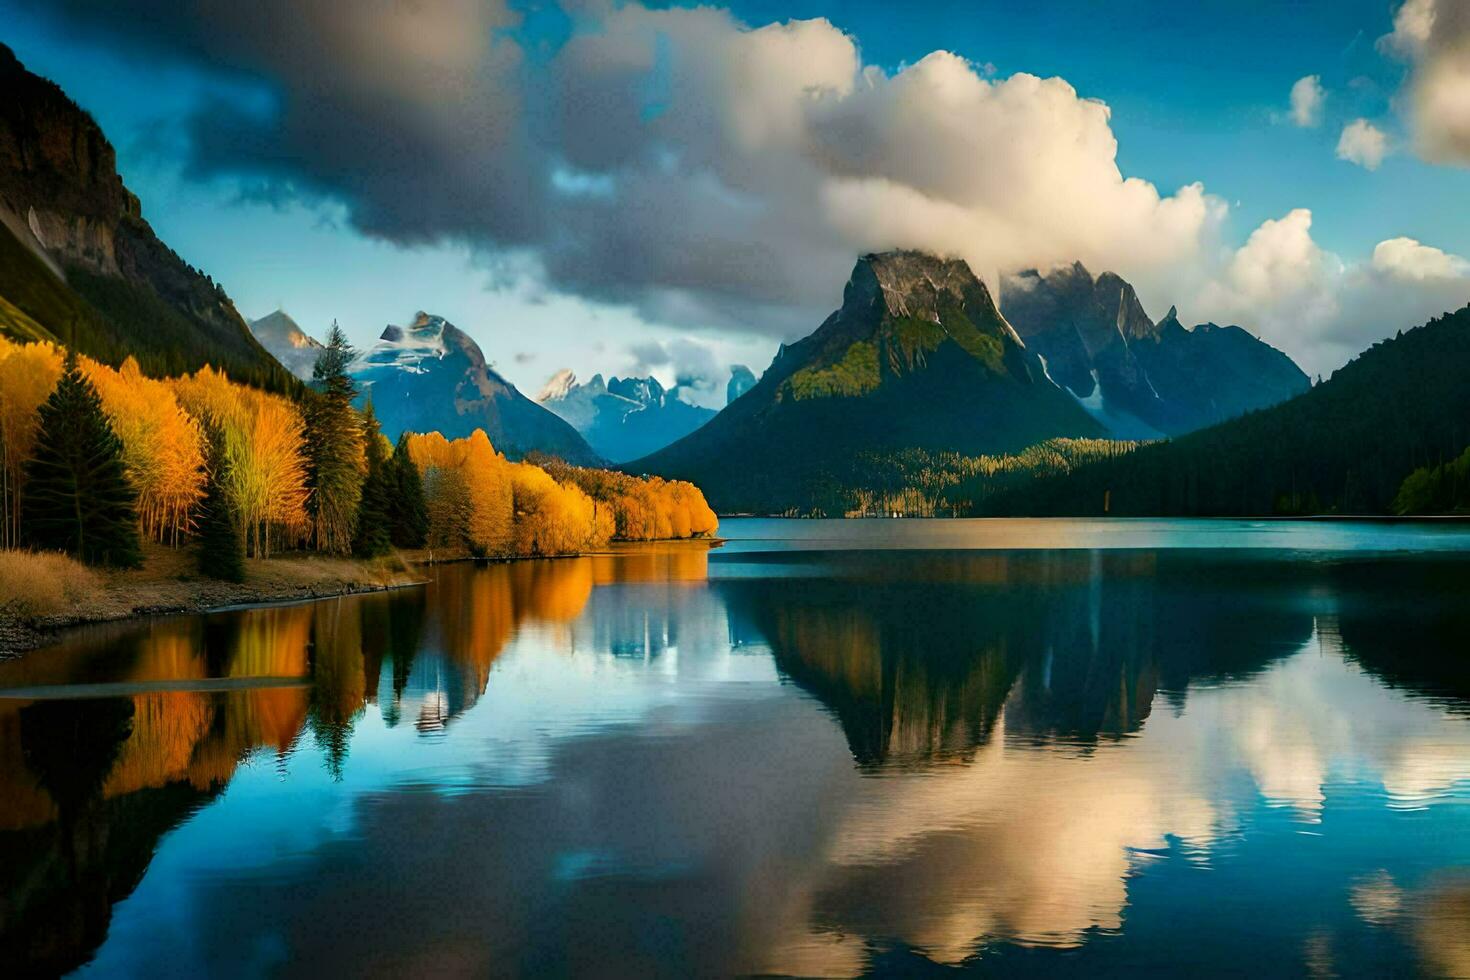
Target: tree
[373, 536]
[334, 442]
[221, 543]
[78, 498]
[407, 510]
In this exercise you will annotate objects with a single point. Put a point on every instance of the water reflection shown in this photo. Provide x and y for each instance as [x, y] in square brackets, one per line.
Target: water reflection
[671, 762]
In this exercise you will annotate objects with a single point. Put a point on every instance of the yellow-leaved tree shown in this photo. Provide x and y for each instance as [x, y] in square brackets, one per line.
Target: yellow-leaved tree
[263, 448]
[163, 446]
[28, 373]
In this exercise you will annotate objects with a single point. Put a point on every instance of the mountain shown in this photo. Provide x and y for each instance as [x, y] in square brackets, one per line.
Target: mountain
[79, 265]
[742, 379]
[1139, 378]
[622, 418]
[431, 376]
[287, 343]
[1344, 446]
[918, 356]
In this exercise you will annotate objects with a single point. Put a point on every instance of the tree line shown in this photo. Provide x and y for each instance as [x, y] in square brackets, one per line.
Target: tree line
[95, 459]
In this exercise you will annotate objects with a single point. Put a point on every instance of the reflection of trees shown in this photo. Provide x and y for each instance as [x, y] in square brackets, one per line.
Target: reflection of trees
[88, 787]
[1408, 623]
[918, 655]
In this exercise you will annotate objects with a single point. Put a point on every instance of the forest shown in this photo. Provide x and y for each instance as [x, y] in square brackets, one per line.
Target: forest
[1347, 446]
[95, 460]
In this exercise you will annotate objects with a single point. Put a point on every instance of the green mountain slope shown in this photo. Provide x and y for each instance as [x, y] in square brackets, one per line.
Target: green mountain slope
[1345, 446]
[79, 264]
[917, 357]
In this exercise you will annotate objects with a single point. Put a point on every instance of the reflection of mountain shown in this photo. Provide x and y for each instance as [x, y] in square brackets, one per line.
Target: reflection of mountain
[919, 655]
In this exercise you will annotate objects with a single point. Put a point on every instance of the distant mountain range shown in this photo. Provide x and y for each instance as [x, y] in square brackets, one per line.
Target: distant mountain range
[625, 418]
[432, 377]
[1142, 379]
[918, 356]
[79, 265]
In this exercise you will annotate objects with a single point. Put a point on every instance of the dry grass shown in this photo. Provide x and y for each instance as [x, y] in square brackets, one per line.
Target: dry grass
[42, 583]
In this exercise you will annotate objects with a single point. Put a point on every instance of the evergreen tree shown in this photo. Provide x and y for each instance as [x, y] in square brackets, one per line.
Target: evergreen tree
[78, 498]
[407, 509]
[334, 440]
[374, 532]
[221, 543]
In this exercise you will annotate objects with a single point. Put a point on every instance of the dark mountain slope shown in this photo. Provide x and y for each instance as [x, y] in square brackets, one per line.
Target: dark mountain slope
[1345, 446]
[78, 261]
[918, 356]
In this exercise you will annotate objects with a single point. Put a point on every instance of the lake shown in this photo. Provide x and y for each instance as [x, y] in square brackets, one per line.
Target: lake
[1046, 748]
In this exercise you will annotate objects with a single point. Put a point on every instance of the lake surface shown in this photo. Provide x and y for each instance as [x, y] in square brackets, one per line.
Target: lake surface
[1046, 748]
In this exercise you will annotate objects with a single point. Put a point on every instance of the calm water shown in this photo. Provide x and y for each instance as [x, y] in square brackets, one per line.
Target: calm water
[1049, 748]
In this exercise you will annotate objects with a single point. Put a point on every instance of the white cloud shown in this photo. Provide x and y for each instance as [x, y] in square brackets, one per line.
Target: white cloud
[1410, 261]
[1434, 37]
[1319, 308]
[1363, 143]
[1307, 97]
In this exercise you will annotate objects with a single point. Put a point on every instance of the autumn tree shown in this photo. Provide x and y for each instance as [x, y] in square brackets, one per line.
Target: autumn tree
[337, 464]
[163, 446]
[264, 444]
[78, 498]
[28, 374]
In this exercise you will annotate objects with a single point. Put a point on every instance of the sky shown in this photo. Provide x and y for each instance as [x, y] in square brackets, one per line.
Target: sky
[654, 188]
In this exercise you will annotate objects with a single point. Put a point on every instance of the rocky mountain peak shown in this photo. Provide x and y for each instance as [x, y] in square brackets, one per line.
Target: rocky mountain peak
[559, 385]
[910, 284]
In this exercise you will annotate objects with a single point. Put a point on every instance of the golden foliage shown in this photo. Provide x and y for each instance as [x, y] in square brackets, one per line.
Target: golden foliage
[264, 439]
[28, 373]
[163, 446]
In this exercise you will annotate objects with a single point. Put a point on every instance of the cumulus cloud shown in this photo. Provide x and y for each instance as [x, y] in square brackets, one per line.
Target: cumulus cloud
[1323, 310]
[1363, 143]
[1410, 261]
[677, 160]
[1434, 37]
[1307, 98]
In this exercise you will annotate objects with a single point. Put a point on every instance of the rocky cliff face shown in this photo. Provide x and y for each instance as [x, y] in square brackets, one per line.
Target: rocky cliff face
[918, 356]
[1141, 379]
[622, 418]
[432, 376]
[116, 289]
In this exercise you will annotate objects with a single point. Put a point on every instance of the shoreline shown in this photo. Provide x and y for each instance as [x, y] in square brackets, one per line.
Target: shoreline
[168, 586]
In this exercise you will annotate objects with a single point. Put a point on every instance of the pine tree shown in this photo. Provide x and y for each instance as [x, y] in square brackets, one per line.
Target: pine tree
[374, 532]
[334, 446]
[221, 542]
[407, 509]
[78, 498]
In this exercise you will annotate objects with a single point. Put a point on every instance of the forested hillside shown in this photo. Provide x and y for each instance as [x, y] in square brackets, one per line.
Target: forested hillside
[1344, 447]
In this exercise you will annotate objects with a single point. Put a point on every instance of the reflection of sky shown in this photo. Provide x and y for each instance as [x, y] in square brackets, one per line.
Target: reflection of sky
[639, 775]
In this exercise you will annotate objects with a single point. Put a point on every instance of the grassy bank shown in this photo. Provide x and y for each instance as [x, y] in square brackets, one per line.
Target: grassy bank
[41, 594]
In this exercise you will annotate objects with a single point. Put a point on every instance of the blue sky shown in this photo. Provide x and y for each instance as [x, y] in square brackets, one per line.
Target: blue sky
[1198, 92]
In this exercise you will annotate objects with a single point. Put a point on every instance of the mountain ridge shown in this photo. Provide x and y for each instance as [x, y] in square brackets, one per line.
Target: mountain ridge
[80, 265]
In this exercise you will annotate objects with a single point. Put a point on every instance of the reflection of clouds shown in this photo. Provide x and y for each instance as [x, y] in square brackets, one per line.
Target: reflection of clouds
[1376, 898]
[1035, 845]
